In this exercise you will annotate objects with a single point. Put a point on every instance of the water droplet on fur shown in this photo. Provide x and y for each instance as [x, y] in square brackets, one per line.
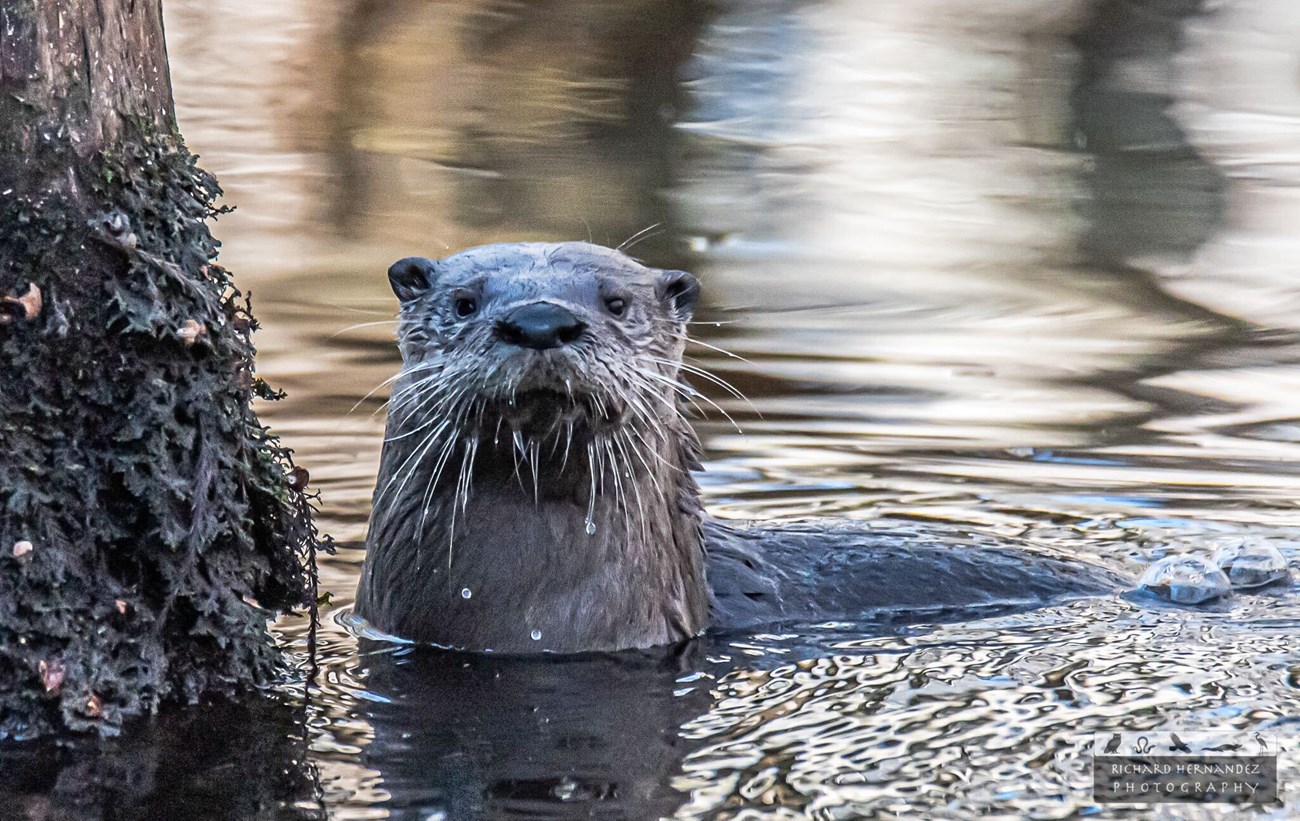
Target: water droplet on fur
[591, 528]
[465, 593]
[537, 635]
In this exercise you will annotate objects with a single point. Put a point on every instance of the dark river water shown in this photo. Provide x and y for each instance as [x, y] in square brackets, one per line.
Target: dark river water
[1025, 268]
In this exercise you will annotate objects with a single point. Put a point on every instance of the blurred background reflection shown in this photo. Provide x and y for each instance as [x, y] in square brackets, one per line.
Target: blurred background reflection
[1028, 267]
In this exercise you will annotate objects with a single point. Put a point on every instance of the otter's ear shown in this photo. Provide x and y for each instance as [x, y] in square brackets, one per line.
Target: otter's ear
[411, 277]
[680, 291]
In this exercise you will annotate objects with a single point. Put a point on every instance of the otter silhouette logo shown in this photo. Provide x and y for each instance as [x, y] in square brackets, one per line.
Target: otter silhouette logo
[539, 453]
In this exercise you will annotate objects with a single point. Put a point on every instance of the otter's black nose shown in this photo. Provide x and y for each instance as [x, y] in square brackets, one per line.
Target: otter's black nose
[540, 325]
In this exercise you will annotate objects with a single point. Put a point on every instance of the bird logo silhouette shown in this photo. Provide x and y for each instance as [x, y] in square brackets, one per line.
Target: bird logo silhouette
[1112, 745]
[1178, 745]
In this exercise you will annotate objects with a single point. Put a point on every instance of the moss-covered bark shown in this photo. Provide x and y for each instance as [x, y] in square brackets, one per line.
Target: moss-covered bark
[149, 525]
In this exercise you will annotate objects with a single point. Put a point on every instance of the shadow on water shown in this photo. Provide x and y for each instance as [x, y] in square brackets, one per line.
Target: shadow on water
[1152, 192]
[1027, 270]
[597, 736]
[787, 720]
[491, 737]
[220, 761]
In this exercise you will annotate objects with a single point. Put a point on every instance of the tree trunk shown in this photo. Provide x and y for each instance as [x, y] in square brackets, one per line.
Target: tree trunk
[149, 525]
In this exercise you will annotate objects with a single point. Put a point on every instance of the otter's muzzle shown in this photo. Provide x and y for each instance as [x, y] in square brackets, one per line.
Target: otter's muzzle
[540, 326]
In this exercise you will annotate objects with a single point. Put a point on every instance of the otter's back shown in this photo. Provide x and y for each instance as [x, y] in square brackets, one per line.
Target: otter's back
[838, 570]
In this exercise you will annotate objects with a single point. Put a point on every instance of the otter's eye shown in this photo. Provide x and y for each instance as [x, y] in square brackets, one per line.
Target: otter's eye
[465, 306]
[617, 305]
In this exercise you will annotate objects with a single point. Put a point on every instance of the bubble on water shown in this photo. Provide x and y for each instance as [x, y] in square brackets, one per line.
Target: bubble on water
[537, 635]
[465, 592]
[568, 789]
[1252, 563]
[1186, 580]
[591, 528]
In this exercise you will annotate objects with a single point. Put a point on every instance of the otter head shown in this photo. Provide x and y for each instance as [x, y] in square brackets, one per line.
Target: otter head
[537, 456]
[532, 339]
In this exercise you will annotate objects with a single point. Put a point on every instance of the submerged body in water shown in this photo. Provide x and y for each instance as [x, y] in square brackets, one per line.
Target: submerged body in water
[536, 493]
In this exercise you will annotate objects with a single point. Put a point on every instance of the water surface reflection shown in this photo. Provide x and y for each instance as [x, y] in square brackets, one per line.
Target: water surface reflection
[1027, 270]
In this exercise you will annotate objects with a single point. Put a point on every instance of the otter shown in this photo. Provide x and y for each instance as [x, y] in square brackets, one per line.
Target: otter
[537, 491]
